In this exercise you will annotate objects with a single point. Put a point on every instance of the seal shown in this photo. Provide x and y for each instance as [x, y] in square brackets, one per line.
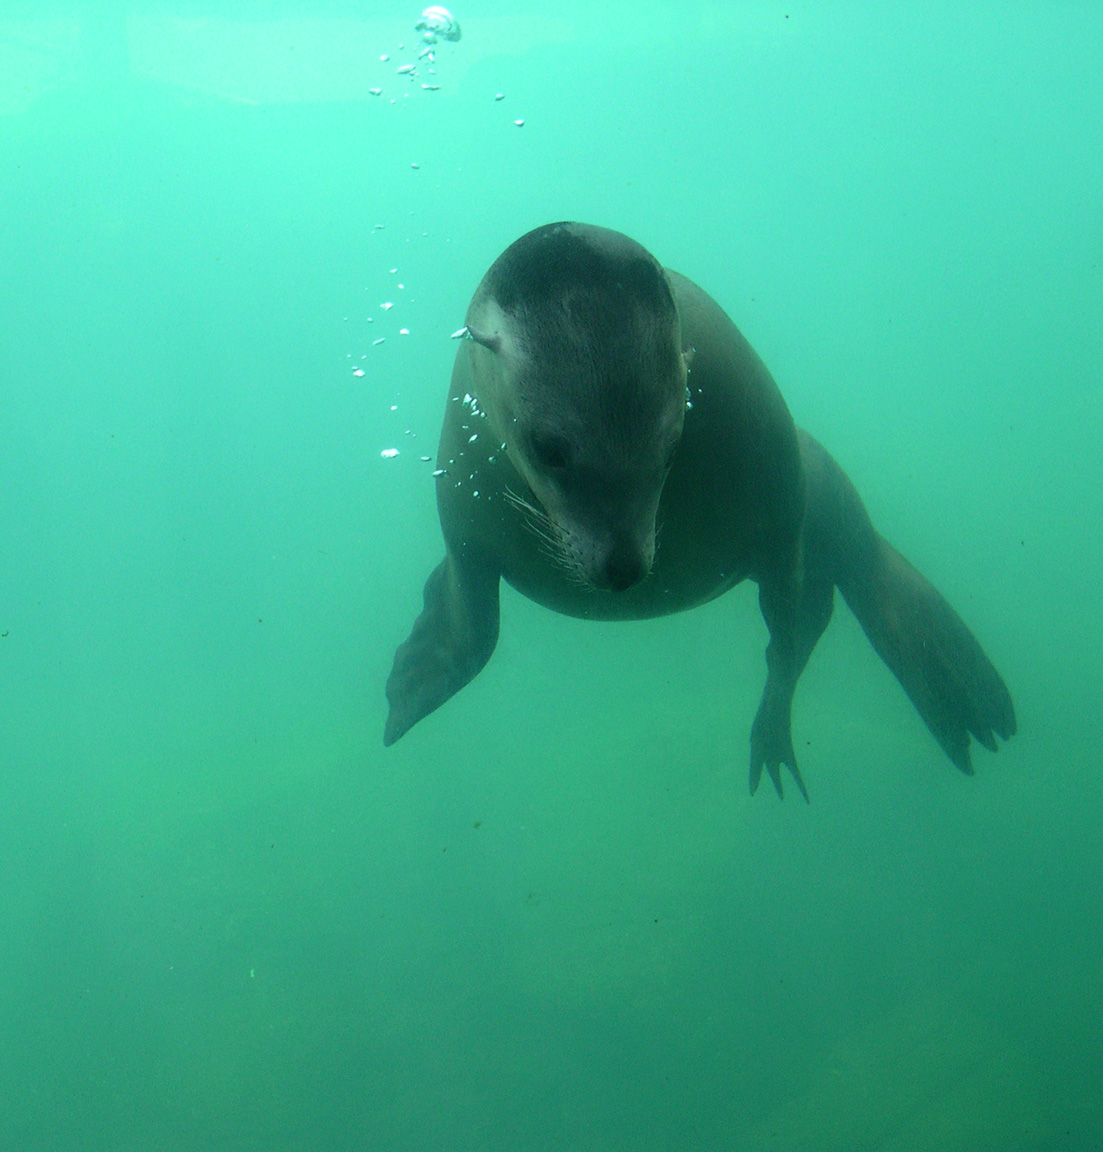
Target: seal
[614, 449]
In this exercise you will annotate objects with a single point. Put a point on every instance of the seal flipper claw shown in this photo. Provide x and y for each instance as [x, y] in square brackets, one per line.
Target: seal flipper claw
[774, 772]
[756, 775]
[800, 783]
[775, 776]
[772, 746]
[987, 738]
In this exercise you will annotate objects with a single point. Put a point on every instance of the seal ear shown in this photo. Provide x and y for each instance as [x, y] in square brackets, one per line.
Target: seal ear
[493, 342]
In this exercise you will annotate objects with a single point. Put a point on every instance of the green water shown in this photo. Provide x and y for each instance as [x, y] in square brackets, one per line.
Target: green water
[550, 918]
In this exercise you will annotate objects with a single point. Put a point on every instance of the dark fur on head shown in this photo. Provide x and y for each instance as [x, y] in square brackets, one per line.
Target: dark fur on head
[572, 287]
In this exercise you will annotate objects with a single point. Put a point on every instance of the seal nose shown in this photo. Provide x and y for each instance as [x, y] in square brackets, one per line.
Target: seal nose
[624, 567]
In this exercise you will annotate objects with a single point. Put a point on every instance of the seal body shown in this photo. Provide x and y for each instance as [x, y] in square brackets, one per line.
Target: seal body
[614, 449]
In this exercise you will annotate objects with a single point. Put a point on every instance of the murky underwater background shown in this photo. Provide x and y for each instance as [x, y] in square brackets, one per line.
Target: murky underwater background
[551, 917]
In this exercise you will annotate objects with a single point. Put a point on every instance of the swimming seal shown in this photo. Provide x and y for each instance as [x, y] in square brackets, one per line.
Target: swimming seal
[599, 401]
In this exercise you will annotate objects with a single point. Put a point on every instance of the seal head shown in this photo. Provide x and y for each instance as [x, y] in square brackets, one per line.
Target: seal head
[583, 377]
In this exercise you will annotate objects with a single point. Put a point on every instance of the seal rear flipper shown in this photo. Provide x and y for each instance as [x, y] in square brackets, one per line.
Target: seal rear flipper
[449, 644]
[937, 660]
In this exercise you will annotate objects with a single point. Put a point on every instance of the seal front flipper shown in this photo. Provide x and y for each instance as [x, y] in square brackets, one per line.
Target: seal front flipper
[449, 644]
[794, 620]
[771, 747]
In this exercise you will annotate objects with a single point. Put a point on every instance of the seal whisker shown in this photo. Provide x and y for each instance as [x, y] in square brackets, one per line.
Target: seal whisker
[535, 517]
[552, 546]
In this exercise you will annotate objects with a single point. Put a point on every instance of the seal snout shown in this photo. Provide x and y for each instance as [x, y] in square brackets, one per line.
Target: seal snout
[623, 567]
[611, 557]
[619, 565]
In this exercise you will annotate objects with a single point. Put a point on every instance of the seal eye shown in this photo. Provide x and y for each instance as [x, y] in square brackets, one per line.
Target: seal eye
[550, 450]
